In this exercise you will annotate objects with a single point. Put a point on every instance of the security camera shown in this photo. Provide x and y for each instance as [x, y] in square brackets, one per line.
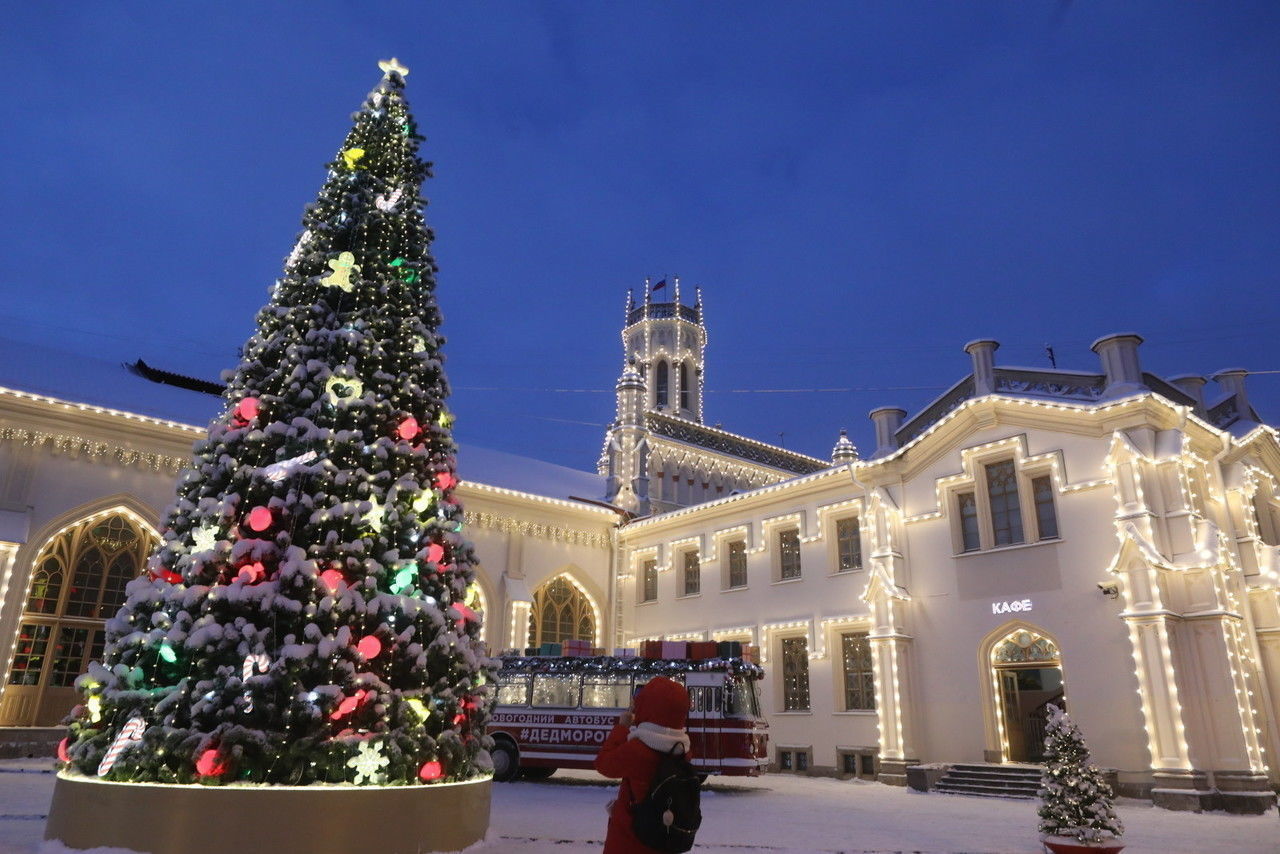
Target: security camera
[1110, 589]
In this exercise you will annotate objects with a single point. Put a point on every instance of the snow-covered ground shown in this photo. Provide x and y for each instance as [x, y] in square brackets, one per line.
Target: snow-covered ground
[775, 813]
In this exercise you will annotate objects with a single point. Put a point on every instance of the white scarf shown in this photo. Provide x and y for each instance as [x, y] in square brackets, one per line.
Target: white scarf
[660, 738]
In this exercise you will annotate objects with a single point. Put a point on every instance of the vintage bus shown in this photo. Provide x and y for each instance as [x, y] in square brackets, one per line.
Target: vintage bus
[555, 712]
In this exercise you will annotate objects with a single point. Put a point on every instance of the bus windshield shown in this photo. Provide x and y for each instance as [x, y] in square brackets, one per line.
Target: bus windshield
[740, 698]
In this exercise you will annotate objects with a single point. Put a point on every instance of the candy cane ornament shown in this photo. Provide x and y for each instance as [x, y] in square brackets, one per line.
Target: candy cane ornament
[258, 661]
[130, 735]
[388, 203]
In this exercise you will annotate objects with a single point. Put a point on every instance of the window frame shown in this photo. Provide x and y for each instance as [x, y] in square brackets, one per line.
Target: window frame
[685, 556]
[786, 644]
[1027, 506]
[648, 567]
[861, 673]
[837, 555]
[784, 552]
[729, 560]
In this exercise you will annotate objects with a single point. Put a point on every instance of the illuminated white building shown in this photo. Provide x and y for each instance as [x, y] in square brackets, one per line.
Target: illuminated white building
[1106, 539]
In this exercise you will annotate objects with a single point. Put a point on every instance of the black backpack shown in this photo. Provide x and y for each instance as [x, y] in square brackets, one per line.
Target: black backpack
[667, 819]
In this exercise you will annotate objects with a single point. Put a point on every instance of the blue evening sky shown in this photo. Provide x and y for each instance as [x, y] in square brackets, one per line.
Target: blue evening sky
[859, 188]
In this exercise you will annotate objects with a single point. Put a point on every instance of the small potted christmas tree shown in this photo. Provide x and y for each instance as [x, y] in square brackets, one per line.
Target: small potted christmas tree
[1076, 811]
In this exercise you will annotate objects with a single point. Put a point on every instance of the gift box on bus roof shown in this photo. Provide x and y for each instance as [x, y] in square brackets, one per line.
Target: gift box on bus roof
[551, 649]
[675, 649]
[729, 649]
[577, 648]
[651, 649]
[702, 650]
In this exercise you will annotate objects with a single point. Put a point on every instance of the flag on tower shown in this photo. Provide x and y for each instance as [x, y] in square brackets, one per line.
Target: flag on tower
[660, 285]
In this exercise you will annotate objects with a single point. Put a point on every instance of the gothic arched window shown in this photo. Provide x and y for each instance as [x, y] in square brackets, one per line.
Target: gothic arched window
[684, 387]
[78, 581]
[560, 612]
[662, 383]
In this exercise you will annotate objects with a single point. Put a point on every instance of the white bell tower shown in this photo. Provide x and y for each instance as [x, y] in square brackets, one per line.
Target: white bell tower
[666, 342]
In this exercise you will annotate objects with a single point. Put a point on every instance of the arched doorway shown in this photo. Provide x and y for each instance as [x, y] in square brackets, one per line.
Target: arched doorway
[1026, 673]
[77, 581]
[561, 612]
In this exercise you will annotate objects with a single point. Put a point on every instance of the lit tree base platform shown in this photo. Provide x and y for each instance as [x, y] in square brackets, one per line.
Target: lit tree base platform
[165, 819]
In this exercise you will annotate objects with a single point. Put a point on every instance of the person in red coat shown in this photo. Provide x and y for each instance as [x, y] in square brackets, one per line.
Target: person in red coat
[654, 725]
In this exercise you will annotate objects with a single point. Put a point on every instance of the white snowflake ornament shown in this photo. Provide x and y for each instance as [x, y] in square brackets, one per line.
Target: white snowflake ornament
[204, 538]
[368, 763]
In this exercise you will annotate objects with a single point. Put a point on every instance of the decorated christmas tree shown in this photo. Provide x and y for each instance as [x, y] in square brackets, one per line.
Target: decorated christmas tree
[305, 618]
[1076, 801]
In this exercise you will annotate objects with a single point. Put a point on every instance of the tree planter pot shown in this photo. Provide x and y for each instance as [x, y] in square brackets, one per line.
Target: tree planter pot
[194, 819]
[1066, 845]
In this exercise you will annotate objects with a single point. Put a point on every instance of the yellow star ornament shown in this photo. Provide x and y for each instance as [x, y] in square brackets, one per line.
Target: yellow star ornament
[376, 515]
[393, 66]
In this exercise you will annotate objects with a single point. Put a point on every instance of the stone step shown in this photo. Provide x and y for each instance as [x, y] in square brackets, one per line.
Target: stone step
[980, 792]
[990, 781]
[982, 776]
[1021, 770]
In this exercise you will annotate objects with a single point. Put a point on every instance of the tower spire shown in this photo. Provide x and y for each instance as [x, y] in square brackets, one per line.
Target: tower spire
[677, 282]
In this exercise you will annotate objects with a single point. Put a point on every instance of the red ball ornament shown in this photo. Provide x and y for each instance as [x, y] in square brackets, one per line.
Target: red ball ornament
[63, 756]
[408, 428]
[247, 409]
[332, 578]
[252, 573]
[210, 764]
[435, 553]
[259, 519]
[446, 480]
[430, 771]
[168, 575]
[370, 647]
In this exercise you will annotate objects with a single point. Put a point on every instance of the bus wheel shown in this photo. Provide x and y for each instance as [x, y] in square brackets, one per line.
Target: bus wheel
[506, 760]
[539, 773]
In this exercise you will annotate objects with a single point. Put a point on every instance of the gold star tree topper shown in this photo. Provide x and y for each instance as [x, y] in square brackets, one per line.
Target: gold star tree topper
[393, 65]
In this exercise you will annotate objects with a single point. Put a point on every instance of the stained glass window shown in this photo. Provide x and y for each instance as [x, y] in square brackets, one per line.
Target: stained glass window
[1024, 646]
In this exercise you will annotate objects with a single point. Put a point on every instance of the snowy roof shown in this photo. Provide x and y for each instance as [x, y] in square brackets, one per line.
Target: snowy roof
[51, 371]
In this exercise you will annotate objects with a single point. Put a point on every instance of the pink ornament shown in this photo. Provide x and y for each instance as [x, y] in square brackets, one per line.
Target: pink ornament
[435, 553]
[370, 647]
[348, 705]
[252, 573]
[259, 519]
[446, 480]
[247, 409]
[332, 578]
[63, 756]
[467, 614]
[430, 771]
[210, 764]
[408, 428]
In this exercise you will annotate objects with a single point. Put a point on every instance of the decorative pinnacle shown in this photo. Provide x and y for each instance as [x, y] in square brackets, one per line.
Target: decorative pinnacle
[393, 66]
